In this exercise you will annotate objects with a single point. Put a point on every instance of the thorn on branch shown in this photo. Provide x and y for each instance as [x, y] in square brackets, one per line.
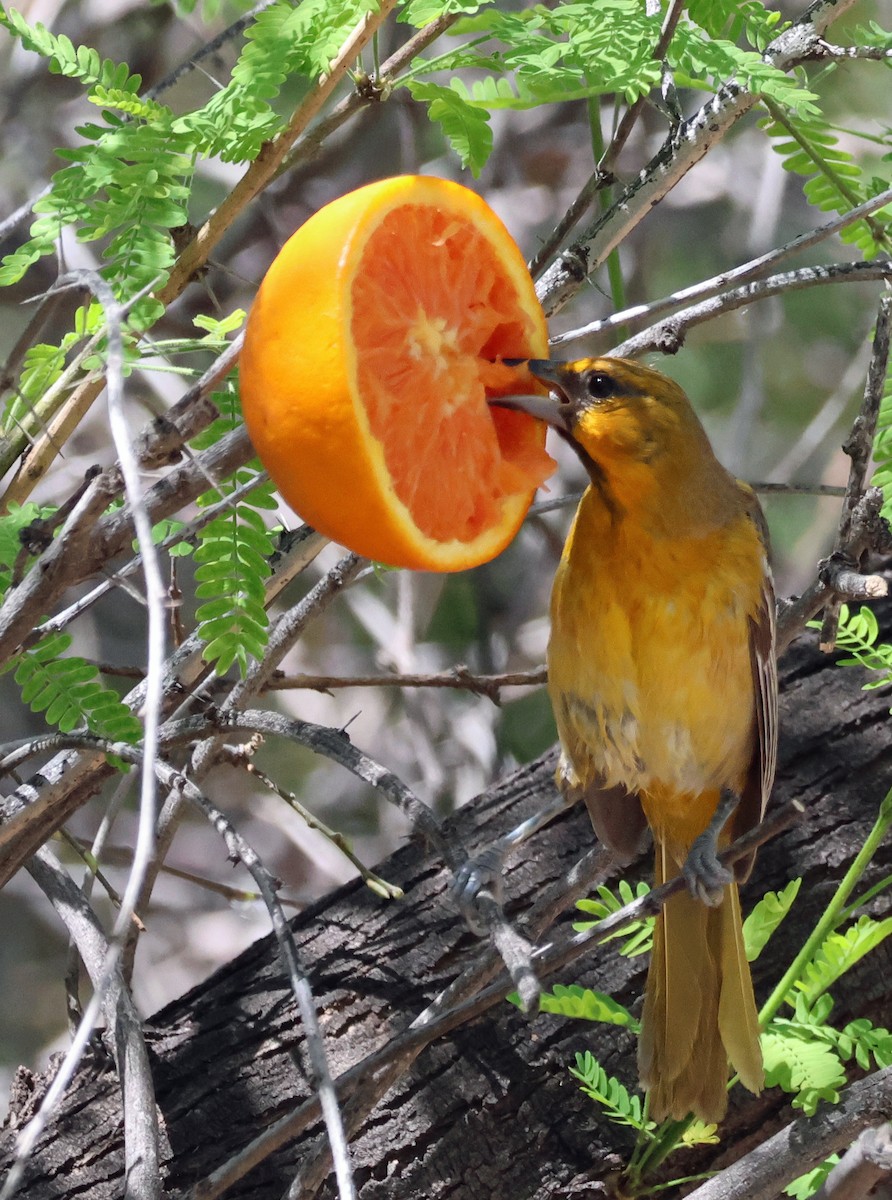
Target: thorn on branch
[670, 337]
[372, 89]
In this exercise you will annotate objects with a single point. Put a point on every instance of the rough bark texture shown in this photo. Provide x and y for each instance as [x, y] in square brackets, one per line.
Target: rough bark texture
[490, 1110]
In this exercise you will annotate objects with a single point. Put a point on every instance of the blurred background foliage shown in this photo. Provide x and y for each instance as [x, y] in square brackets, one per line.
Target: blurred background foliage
[777, 385]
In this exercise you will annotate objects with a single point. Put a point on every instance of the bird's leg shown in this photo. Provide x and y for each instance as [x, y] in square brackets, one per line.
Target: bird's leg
[704, 874]
[483, 873]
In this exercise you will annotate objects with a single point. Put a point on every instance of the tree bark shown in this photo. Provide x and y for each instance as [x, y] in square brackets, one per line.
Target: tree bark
[489, 1109]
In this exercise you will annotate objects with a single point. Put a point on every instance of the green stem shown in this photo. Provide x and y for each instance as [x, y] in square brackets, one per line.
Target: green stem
[443, 62]
[605, 199]
[883, 884]
[832, 914]
[671, 1183]
[662, 1144]
[821, 164]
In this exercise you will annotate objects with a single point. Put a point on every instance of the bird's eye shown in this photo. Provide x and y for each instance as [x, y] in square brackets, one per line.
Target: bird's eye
[600, 385]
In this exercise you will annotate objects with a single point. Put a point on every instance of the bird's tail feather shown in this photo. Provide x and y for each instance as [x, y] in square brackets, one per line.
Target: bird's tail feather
[699, 1009]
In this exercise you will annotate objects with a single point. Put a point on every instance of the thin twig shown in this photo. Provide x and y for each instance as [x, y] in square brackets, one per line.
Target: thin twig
[333, 744]
[143, 1178]
[459, 677]
[754, 269]
[878, 53]
[297, 975]
[669, 334]
[387, 891]
[681, 151]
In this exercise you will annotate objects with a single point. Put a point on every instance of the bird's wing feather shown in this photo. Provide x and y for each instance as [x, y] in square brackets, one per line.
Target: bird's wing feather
[763, 660]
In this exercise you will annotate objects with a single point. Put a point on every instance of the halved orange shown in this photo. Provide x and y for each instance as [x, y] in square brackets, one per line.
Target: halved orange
[369, 355]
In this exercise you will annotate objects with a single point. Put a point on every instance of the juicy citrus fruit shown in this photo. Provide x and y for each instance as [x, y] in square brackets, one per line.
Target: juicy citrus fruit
[368, 358]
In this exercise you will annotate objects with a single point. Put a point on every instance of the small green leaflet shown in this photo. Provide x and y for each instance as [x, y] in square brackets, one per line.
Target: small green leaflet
[586, 1005]
[464, 125]
[765, 918]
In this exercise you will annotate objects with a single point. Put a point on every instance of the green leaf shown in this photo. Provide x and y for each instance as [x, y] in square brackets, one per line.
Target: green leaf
[70, 694]
[838, 953]
[233, 556]
[421, 12]
[858, 633]
[806, 1185]
[218, 330]
[465, 126]
[809, 146]
[766, 916]
[638, 932]
[621, 1107]
[807, 1069]
[284, 43]
[586, 1005]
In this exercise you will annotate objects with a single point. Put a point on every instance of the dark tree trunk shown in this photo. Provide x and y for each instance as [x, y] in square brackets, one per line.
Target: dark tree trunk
[490, 1109]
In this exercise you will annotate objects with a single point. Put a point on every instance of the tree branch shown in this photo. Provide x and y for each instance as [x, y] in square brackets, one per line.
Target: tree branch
[681, 151]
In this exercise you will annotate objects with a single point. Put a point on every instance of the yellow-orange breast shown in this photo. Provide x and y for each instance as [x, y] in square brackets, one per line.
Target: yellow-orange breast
[649, 663]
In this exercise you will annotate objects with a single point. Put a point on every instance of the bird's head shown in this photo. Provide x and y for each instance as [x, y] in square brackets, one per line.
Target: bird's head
[633, 428]
[614, 411]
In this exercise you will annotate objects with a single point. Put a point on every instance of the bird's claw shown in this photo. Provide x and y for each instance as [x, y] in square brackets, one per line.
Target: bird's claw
[477, 879]
[704, 874]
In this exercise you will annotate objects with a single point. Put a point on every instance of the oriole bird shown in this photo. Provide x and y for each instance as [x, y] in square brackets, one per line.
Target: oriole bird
[662, 676]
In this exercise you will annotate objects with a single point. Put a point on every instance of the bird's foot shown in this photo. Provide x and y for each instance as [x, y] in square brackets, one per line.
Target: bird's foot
[478, 885]
[704, 874]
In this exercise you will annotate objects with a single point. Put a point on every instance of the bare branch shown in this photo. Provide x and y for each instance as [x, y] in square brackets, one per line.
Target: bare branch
[458, 677]
[805, 1142]
[865, 1162]
[141, 1136]
[859, 447]
[878, 53]
[754, 269]
[682, 150]
[668, 335]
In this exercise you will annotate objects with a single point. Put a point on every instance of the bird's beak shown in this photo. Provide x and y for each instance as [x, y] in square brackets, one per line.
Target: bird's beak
[556, 409]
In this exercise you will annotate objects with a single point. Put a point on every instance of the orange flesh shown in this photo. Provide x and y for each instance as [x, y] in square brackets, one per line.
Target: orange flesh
[431, 328]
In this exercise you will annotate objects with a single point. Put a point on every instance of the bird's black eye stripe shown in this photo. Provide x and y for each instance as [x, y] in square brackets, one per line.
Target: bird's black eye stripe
[600, 385]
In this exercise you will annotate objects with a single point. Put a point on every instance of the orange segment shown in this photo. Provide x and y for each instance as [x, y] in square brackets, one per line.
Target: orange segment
[367, 363]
